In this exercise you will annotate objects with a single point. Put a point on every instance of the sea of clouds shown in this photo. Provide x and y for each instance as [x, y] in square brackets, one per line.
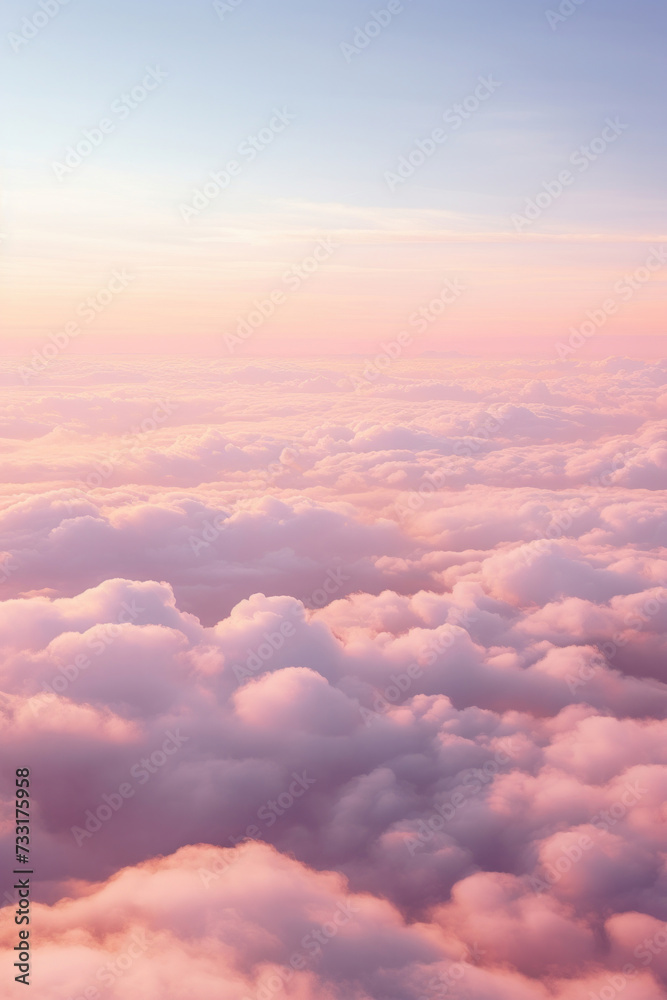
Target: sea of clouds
[338, 692]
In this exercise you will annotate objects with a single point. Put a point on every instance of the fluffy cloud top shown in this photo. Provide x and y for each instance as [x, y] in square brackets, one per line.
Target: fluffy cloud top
[339, 695]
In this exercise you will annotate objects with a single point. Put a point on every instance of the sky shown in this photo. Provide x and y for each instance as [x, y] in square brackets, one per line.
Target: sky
[332, 455]
[354, 104]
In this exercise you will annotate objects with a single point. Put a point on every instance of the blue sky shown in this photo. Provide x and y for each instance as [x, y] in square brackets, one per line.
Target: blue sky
[226, 75]
[353, 120]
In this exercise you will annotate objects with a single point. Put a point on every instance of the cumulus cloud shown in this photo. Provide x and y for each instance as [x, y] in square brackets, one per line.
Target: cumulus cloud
[385, 667]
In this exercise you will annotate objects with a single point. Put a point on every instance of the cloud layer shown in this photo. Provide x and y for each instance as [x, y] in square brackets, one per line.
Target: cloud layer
[356, 694]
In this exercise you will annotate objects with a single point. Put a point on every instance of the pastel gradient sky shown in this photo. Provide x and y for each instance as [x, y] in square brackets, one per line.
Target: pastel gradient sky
[324, 176]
